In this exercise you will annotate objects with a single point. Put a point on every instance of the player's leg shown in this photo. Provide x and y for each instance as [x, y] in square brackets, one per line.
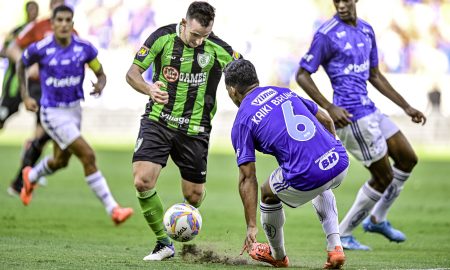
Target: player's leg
[150, 156]
[10, 100]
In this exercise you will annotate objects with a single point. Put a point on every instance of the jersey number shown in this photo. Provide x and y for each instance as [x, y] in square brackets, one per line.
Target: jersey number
[294, 121]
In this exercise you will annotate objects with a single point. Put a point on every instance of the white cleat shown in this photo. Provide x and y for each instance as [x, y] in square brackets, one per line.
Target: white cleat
[161, 252]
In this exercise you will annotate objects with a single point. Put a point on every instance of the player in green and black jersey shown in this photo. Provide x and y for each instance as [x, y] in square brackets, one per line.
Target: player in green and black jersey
[188, 59]
[11, 99]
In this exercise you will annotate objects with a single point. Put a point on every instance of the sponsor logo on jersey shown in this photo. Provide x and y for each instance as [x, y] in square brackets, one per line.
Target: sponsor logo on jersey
[341, 34]
[357, 68]
[143, 51]
[172, 119]
[193, 79]
[203, 59]
[65, 62]
[263, 97]
[308, 57]
[171, 74]
[181, 59]
[328, 160]
[77, 49]
[50, 51]
[347, 46]
[53, 62]
[64, 82]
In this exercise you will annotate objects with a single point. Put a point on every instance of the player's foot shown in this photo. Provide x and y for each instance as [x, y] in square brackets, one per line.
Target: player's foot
[385, 229]
[13, 191]
[119, 215]
[349, 242]
[42, 181]
[161, 252]
[28, 187]
[261, 252]
[336, 259]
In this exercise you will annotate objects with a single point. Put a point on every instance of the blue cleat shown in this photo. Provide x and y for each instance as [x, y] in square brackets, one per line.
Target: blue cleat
[350, 243]
[385, 229]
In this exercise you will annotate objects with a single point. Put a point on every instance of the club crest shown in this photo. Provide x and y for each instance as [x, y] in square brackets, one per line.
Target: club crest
[203, 59]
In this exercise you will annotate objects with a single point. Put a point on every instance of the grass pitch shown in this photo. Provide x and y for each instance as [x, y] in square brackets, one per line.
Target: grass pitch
[66, 227]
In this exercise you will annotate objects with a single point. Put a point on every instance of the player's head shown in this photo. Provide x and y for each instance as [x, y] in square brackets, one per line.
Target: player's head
[346, 10]
[56, 3]
[32, 10]
[240, 79]
[62, 22]
[198, 23]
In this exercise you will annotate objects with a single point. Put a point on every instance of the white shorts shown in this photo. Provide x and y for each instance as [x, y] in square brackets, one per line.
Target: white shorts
[293, 197]
[366, 138]
[62, 124]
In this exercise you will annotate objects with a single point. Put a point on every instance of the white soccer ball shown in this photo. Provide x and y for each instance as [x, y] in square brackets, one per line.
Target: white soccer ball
[182, 222]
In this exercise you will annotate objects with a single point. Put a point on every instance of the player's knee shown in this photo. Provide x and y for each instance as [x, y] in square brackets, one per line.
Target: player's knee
[268, 197]
[407, 164]
[142, 182]
[60, 163]
[194, 198]
[88, 158]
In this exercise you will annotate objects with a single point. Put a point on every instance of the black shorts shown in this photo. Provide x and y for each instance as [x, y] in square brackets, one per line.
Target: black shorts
[11, 99]
[156, 142]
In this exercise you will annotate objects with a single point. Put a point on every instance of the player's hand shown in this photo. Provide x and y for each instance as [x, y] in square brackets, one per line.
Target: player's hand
[249, 239]
[157, 95]
[31, 104]
[340, 116]
[96, 89]
[416, 115]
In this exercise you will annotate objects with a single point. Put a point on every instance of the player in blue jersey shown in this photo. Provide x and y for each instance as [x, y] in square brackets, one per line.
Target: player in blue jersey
[311, 160]
[346, 48]
[62, 58]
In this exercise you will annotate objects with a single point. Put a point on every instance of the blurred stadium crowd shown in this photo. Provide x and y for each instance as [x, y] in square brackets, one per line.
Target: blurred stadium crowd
[413, 39]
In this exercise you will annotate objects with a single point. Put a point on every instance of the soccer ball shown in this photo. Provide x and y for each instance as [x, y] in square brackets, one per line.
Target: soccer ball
[182, 222]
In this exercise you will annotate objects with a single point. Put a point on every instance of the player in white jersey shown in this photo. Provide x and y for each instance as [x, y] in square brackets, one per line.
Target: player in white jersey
[345, 46]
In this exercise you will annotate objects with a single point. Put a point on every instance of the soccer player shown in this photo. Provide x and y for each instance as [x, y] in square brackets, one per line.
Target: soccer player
[11, 99]
[346, 48]
[33, 149]
[188, 59]
[62, 58]
[278, 122]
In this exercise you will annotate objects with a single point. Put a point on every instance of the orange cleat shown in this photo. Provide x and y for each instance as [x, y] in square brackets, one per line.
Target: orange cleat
[28, 187]
[119, 215]
[261, 252]
[336, 259]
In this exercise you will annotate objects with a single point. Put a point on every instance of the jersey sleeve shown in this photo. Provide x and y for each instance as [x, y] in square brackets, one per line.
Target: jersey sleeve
[91, 53]
[224, 52]
[242, 140]
[152, 47]
[374, 50]
[310, 105]
[30, 55]
[26, 36]
[319, 52]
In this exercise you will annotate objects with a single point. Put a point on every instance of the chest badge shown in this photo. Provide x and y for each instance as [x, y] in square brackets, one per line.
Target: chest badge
[203, 59]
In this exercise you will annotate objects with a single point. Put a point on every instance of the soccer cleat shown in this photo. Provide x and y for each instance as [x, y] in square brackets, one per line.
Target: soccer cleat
[261, 252]
[12, 191]
[28, 187]
[385, 229]
[336, 259]
[350, 243]
[42, 181]
[161, 252]
[119, 215]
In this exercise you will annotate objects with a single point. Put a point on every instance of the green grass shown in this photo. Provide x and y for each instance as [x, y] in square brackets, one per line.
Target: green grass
[65, 227]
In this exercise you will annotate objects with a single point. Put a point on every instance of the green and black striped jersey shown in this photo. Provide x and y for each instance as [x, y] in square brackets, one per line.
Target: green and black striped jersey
[191, 76]
[10, 85]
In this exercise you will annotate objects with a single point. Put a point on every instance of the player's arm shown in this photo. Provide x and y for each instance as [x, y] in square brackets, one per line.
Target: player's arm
[29, 102]
[13, 51]
[135, 80]
[248, 189]
[326, 121]
[379, 81]
[97, 68]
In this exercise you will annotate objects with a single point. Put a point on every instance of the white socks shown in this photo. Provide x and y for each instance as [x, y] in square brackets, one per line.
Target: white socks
[98, 185]
[390, 194]
[325, 205]
[40, 169]
[364, 202]
[272, 220]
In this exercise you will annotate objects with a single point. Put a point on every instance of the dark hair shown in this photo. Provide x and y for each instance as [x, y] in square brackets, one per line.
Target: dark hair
[203, 12]
[241, 74]
[62, 8]
[29, 3]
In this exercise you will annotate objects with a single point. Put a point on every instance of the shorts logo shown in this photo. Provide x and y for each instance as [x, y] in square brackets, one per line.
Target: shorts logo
[203, 59]
[138, 144]
[143, 51]
[171, 74]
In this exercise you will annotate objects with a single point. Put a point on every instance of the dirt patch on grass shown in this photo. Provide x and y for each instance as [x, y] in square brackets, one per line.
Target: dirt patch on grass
[191, 252]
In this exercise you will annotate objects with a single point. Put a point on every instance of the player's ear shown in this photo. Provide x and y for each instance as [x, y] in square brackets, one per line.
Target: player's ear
[183, 22]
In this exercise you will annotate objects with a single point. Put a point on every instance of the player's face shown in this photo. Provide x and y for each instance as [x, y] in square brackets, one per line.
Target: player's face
[32, 11]
[233, 95]
[63, 24]
[193, 33]
[346, 9]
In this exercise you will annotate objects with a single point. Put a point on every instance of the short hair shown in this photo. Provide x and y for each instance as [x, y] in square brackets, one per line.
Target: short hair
[241, 74]
[203, 12]
[29, 3]
[62, 8]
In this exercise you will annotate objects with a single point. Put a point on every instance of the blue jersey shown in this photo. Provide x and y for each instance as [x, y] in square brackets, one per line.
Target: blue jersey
[277, 122]
[61, 70]
[346, 53]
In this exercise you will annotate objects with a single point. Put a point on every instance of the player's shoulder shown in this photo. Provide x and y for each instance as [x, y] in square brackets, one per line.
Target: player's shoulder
[82, 42]
[365, 26]
[166, 30]
[45, 42]
[329, 27]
